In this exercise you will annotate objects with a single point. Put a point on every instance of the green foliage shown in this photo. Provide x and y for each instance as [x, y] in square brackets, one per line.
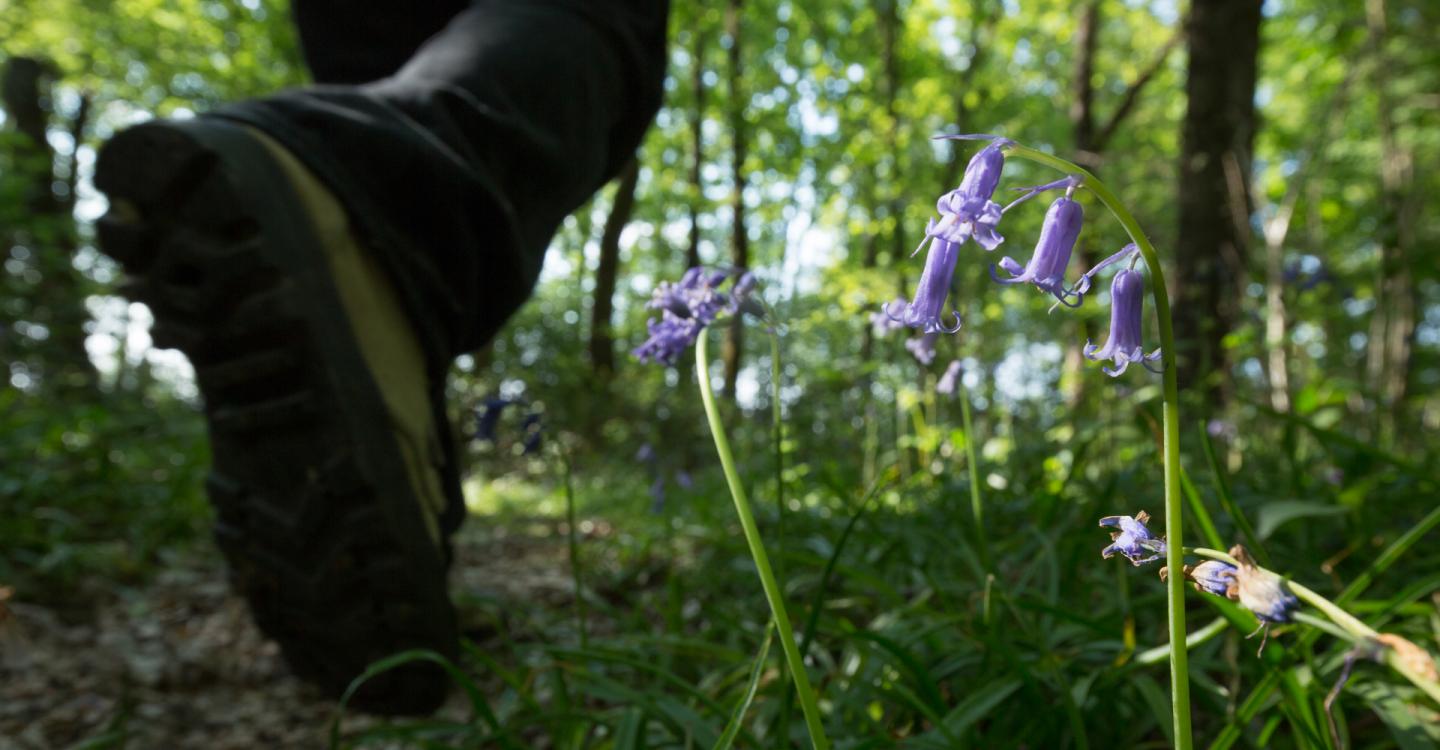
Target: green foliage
[96, 492]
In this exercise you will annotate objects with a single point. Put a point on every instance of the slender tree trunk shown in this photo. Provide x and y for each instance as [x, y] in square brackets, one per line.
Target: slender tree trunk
[1392, 328]
[982, 20]
[1276, 230]
[697, 146]
[1082, 102]
[739, 240]
[1213, 241]
[888, 18]
[1091, 139]
[1082, 123]
[58, 302]
[602, 339]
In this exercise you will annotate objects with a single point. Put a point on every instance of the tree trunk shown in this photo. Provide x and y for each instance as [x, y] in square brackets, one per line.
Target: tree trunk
[697, 146]
[739, 241]
[888, 17]
[47, 228]
[982, 19]
[1090, 142]
[1212, 245]
[1392, 328]
[602, 339]
[1082, 124]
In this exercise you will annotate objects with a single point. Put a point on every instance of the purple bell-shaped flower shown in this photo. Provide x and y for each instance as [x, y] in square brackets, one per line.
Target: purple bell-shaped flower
[1134, 540]
[926, 309]
[1046, 269]
[1127, 293]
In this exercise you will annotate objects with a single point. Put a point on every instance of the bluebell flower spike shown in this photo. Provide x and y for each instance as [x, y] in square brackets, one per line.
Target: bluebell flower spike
[1134, 540]
[688, 306]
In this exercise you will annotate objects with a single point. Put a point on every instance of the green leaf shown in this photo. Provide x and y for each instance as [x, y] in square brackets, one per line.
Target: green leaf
[1277, 513]
[1415, 727]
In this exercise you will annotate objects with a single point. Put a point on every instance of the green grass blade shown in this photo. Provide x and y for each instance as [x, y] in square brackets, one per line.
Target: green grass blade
[394, 661]
[1227, 501]
[1197, 509]
[737, 717]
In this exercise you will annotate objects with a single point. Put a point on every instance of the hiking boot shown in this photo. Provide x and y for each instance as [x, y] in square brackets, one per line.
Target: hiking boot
[333, 480]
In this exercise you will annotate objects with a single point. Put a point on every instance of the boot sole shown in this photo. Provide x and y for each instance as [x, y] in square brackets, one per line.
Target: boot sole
[315, 512]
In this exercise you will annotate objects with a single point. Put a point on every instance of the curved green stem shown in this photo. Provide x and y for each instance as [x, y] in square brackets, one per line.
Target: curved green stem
[1347, 622]
[796, 665]
[1174, 523]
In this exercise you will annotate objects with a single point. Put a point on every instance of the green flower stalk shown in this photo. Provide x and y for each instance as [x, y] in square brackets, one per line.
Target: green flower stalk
[773, 593]
[1174, 519]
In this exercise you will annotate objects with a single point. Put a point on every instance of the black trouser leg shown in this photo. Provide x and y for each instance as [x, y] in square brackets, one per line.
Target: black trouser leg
[359, 41]
[460, 166]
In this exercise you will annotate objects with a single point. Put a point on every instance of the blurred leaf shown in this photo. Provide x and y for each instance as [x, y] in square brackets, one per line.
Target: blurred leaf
[1276, 513]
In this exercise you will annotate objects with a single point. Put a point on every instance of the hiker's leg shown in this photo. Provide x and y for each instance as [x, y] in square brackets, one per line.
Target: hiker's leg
[460, 166]
[321, 255]
[358, 41]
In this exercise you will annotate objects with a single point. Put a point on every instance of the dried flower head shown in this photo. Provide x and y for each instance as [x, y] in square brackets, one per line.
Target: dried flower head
[1261, 591]
[1213, 577]
[1417, 660]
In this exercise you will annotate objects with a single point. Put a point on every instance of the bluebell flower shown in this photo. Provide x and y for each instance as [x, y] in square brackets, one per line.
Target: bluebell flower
[1046, 269]
[687, 307]
[532, 428]
[967, 212]
[646, 454]
[1222, 429]
[1212, 576]
[1127, 293]
[928, 306]
[742, 296]
[684, 480]
[1133, 540]
[950, 379]
[489, 419]
[1261, 591]
[922, 347]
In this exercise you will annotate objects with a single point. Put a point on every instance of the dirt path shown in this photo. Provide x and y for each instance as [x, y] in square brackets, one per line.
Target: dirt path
[179, 664]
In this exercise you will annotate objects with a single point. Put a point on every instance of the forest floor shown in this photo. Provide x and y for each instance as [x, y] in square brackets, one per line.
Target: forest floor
[178, 663]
